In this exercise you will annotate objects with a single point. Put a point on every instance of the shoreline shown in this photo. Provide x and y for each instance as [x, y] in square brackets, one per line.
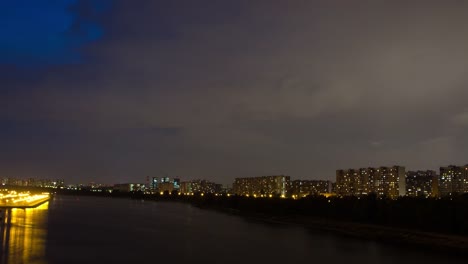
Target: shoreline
[441, 243]
[390, 235]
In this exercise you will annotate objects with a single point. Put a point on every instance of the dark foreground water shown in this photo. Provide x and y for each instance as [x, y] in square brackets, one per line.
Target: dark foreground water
[104, 230]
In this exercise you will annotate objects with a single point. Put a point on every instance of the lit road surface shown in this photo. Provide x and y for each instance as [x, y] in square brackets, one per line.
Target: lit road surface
[13, 199]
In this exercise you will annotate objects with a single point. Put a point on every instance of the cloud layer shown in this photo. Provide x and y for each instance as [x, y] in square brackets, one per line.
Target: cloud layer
[216, 90]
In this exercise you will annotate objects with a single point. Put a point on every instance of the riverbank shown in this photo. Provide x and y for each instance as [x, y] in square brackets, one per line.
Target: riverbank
[403, 237]
[436, 242]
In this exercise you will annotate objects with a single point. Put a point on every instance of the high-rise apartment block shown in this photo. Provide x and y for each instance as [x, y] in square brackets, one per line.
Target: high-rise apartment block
[303, 188]
[264, 185]
[186, 187]
[422, 184]
[200, 186]
[453, 180]
[383, 181]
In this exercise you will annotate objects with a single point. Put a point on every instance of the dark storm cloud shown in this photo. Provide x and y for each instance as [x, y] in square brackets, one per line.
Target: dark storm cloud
[219, 89]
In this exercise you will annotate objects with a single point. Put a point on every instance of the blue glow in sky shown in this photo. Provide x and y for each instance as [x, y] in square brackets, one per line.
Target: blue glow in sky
[39, 32]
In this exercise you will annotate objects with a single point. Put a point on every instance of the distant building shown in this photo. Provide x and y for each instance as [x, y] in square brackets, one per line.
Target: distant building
[348, 182]
[154, 183]
[453, 180]
[264, 185]
[13, 182]
[186, 187]
[164, 184]
[176, 183]
[166, 187]
[422, 184]
[333, 187]
[165, 179]
[383, 181]
[129, 187]
[303, 188]
[34, 182]
[204, 186]
[200, 186]
[226, 190]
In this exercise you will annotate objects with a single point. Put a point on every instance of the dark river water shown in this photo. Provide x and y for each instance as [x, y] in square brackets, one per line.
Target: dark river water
[104, 230]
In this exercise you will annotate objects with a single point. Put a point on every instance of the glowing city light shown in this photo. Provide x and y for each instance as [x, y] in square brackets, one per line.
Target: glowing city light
[15, 199]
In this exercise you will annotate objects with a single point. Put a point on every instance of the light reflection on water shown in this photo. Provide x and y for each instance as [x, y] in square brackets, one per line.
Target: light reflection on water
[24, 234]
[104, 230]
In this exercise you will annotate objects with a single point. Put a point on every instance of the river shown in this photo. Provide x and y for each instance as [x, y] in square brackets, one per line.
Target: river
[71, 229]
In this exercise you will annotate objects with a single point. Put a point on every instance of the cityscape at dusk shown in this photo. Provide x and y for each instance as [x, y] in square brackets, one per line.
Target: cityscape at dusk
[391, 182]
[242, 131]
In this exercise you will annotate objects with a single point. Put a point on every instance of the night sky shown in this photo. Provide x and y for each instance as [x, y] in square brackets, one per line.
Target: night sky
[114, 91]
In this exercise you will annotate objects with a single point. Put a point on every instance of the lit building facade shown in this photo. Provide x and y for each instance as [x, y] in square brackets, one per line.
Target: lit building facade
[348, 182]
[166, 187]
[34, 182]
[185, 187]
[165, 179]
[303, 188]
[204, 186]
[200, 186]
[129, 187]
[164, 184]
[453, 180]
[176, 183]
[422, 184]
[154, 183]
[383, 181]
[264, 185]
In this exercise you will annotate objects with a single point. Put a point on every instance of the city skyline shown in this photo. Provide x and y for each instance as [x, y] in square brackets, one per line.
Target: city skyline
[383, 181]
[114, 91]
[148, 179]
